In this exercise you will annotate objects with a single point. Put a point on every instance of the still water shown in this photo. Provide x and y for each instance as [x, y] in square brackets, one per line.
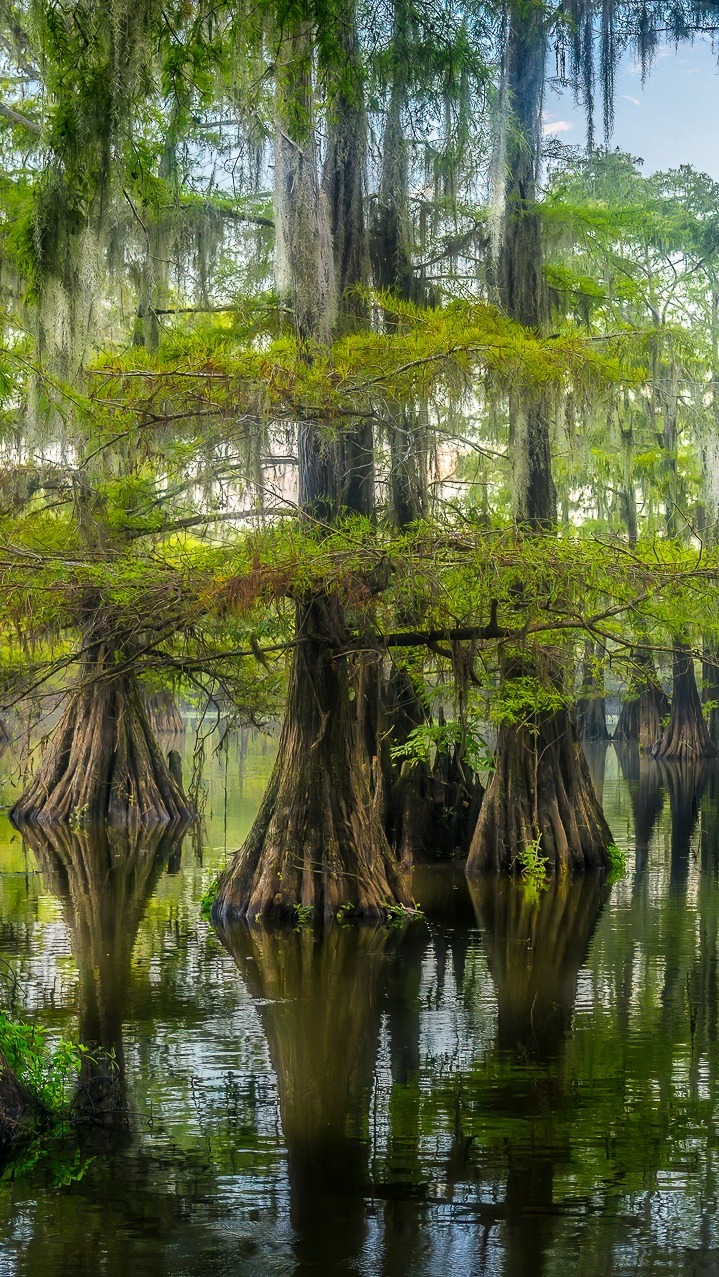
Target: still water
[512, 1086]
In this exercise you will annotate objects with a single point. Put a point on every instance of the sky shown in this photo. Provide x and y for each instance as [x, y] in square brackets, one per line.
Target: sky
[672, 119]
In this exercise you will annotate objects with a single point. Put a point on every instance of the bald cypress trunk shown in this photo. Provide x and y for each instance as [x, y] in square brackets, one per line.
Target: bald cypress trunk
[318, 839]
[686, 735]
[541, 787]
[641, 719]
[103, 762]
[591, 708]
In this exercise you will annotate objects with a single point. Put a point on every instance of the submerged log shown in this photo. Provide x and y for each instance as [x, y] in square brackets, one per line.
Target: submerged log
[540, 788]
[686, 735]
[19, 1110]
[102, 762]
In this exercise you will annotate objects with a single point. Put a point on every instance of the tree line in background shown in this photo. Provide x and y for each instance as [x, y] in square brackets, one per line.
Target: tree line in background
[331, 390]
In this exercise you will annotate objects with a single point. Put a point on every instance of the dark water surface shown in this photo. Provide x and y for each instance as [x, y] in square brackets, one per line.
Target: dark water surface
[515, 1086]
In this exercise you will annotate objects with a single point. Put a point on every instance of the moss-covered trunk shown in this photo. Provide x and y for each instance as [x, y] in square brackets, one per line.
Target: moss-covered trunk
[318, 839]
[540, 787]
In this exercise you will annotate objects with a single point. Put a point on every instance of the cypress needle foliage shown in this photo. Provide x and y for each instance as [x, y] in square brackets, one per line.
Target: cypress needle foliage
[291, 320]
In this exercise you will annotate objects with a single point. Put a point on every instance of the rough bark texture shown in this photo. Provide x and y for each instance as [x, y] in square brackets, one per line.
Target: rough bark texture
[540, 786]
[592, 719]
[686, 735]
[164, 714]
[642, 713]
[318, 839]
[433, 812]
[102, 762]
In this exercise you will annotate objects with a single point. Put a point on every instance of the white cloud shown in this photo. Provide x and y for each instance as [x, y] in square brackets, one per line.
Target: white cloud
[557, 126]
[628, 98]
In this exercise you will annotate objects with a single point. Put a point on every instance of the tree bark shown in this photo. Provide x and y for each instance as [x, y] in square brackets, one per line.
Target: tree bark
[686, 735]
[591, 708]
[318, 839]
[102, 763]
[641, 720]
[540, 788]
[710, 690]
[164, 714]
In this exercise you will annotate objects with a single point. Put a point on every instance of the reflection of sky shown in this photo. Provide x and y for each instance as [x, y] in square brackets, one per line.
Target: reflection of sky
[668, 121]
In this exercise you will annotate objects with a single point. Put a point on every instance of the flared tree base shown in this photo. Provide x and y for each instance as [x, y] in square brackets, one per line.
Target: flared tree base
[642, 716]
[102, 763]
[318, 841]
[592, 719]
[541, 788]
[686, 737]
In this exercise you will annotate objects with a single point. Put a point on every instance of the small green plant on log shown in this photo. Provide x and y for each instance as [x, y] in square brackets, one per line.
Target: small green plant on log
[533, 866]
[37, 1080]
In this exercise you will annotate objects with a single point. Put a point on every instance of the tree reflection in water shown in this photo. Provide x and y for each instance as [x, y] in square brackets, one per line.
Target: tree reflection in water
[320, 996]
[104, 878]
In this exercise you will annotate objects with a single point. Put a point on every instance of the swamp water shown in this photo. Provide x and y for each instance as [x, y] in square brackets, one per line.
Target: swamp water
[514, 1086]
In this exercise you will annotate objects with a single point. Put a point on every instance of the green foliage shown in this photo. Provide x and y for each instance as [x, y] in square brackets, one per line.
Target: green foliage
[49, 1072]
[396, 915]
[525, 700]
[618, 861]
[208, 899]
[303, 916]
[428, 740]
[47, 1069]
[533, 867]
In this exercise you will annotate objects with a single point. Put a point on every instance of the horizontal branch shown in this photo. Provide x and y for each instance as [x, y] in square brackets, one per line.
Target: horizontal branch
[24, 121]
